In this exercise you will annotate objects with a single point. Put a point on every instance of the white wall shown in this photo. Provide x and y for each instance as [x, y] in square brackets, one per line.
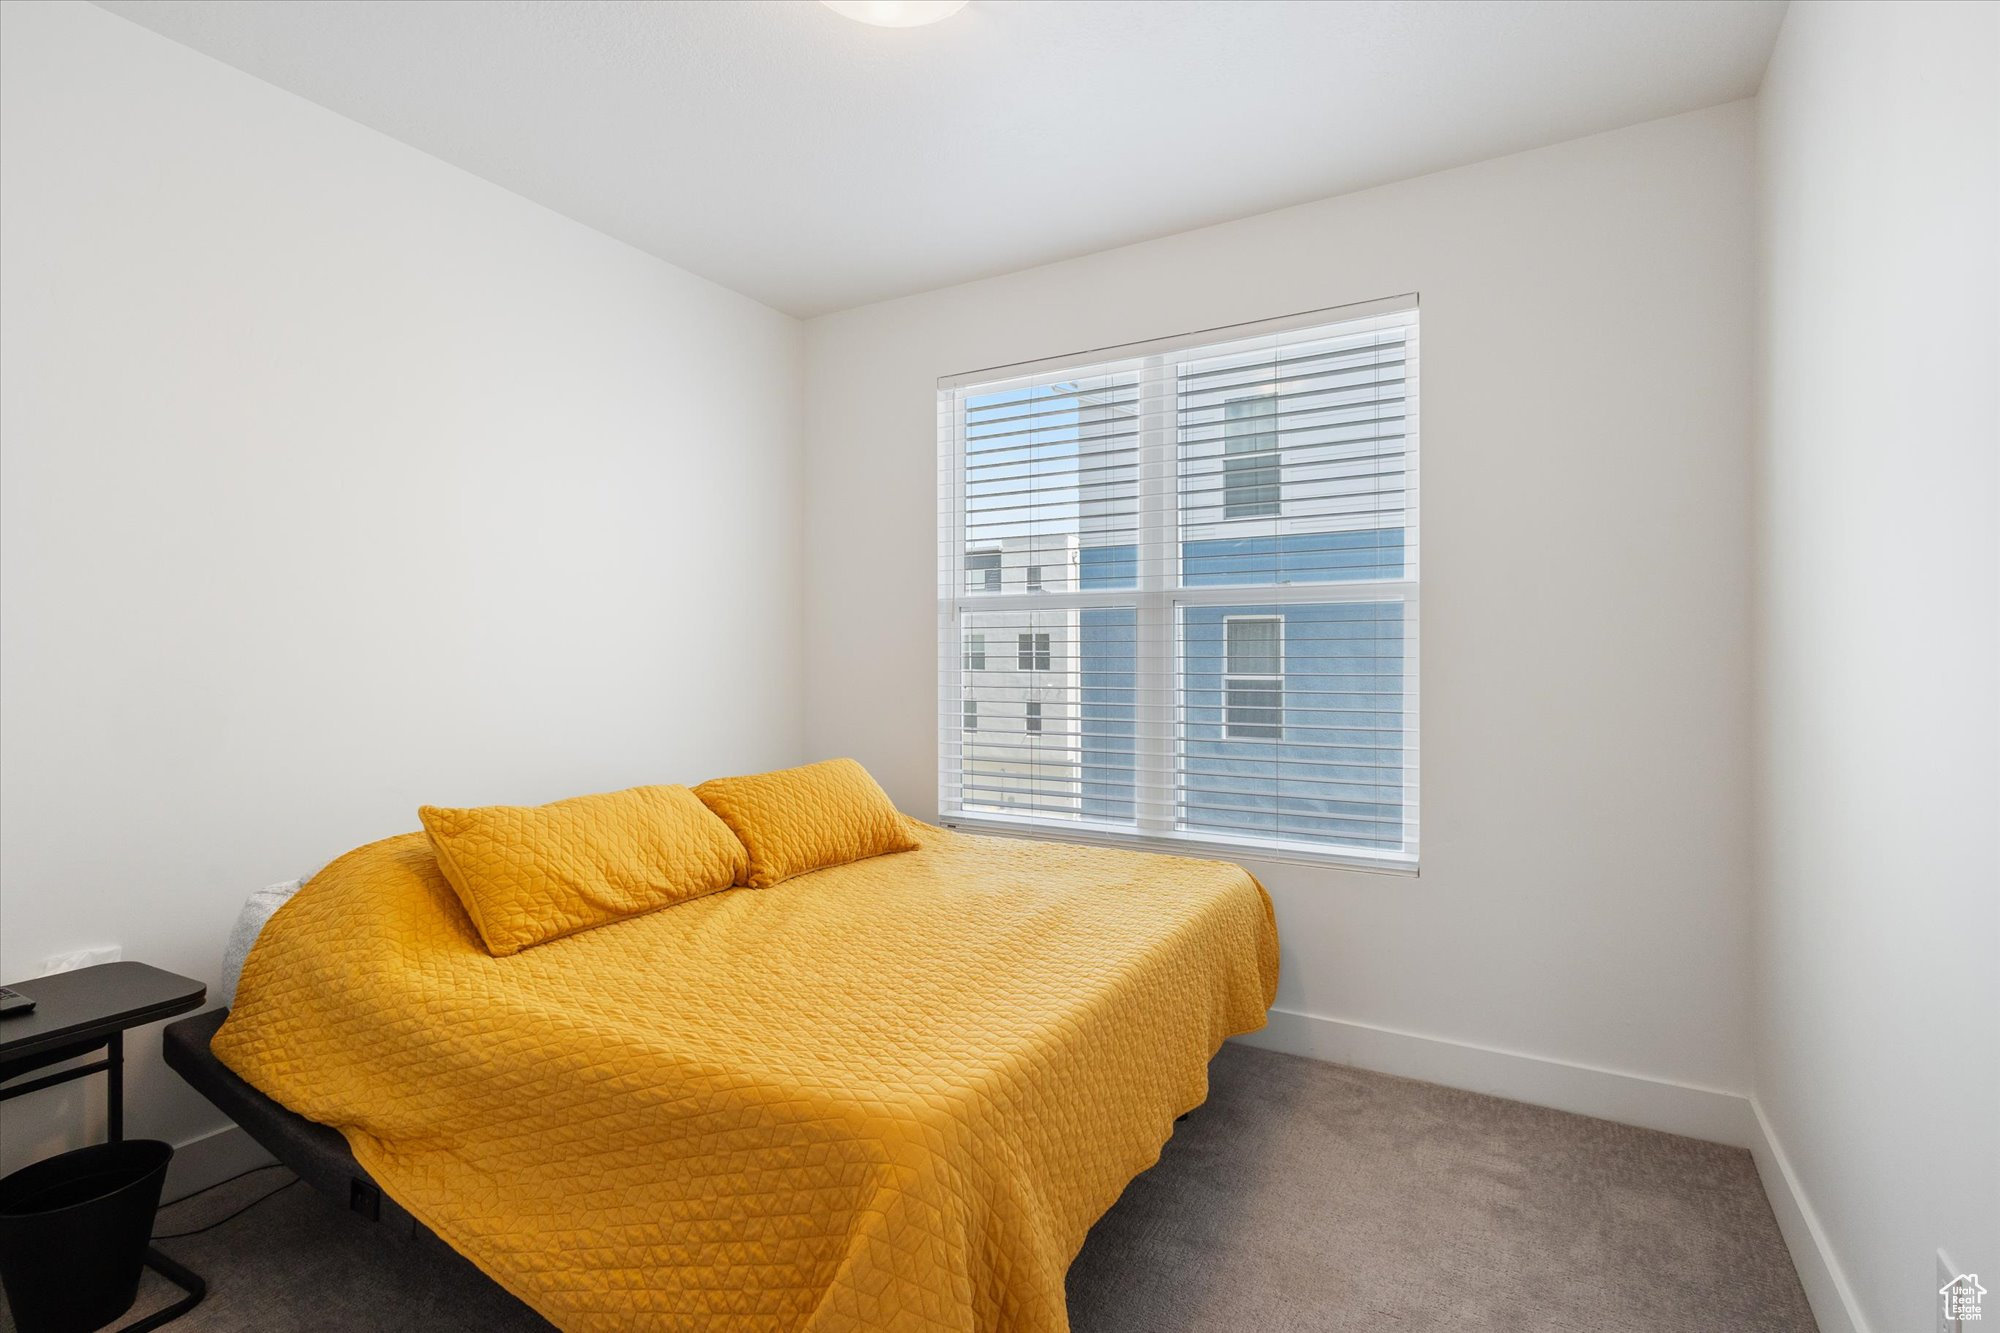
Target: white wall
[1587, 314]
[336, 480]
[1878, 879]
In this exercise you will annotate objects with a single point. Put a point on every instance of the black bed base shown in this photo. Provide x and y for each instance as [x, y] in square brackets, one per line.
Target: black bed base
[316, 1152]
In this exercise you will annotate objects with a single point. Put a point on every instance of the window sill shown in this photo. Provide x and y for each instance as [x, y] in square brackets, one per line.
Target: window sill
[1186, 844]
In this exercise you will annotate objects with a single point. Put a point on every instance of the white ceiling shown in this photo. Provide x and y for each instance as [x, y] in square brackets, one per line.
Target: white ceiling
[815, 163]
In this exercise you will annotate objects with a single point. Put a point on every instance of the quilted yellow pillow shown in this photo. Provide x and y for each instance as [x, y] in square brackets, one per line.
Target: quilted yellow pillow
[528, 874]
[800, 819]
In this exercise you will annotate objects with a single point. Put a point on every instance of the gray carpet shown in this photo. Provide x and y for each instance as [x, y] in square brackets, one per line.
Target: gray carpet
[1303, 1196]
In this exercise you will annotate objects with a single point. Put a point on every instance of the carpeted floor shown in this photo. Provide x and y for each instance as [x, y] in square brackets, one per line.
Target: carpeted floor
[1303, 1196]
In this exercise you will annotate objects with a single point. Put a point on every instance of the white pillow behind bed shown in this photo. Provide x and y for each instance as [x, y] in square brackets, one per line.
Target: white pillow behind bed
[257, 909]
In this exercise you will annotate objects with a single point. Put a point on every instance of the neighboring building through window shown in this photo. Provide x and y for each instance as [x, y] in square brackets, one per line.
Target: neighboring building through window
[972, 714]
[1220, 536]
[975, 652]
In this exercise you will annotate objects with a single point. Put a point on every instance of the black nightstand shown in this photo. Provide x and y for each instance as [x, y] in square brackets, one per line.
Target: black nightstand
[88, 1010]
[80, 1013]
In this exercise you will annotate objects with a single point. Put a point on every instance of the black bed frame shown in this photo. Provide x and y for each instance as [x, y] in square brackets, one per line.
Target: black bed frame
[316, 1152]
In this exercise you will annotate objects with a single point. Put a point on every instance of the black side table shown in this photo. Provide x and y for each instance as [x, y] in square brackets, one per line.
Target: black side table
[79, 1013]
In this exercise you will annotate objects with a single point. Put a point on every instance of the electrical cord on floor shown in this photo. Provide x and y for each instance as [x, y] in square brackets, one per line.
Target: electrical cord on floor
[227, 1180]
[231, 1217]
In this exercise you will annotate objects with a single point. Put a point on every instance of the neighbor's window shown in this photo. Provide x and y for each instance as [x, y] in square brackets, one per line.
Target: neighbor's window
[1232, 653]
[1253, 681]
[1033, 652]
[1252, 483]
[975, 652]
[982, 571]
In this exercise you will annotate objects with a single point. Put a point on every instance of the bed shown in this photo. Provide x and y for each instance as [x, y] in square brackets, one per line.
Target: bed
[889, 1095]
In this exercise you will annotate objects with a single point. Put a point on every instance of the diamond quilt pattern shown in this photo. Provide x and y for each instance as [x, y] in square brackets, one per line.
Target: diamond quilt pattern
[530, 874]
[890, 1095]
[807, 818]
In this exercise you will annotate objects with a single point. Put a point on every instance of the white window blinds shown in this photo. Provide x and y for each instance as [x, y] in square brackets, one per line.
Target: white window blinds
[1205, 552]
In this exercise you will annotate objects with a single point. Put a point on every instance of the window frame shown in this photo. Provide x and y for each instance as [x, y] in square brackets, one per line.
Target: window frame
[1161, 598]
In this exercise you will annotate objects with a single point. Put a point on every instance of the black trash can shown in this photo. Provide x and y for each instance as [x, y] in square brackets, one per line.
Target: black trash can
[73, 1234]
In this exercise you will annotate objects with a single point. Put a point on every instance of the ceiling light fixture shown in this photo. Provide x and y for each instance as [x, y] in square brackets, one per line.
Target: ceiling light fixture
[895, 13]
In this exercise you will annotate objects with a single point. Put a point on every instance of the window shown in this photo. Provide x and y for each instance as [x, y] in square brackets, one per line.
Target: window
[975, 652]
[1253, 680]
[972, 714]
[1231, 645]
[1252, 481]
[982, 571]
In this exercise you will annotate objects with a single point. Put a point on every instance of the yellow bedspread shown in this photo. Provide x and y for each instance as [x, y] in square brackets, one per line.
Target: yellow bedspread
[889, 1095]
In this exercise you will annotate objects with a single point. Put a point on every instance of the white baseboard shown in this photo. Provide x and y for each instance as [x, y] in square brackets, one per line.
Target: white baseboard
[1826, 1285]
[210, 1159]
[1631, 1099]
